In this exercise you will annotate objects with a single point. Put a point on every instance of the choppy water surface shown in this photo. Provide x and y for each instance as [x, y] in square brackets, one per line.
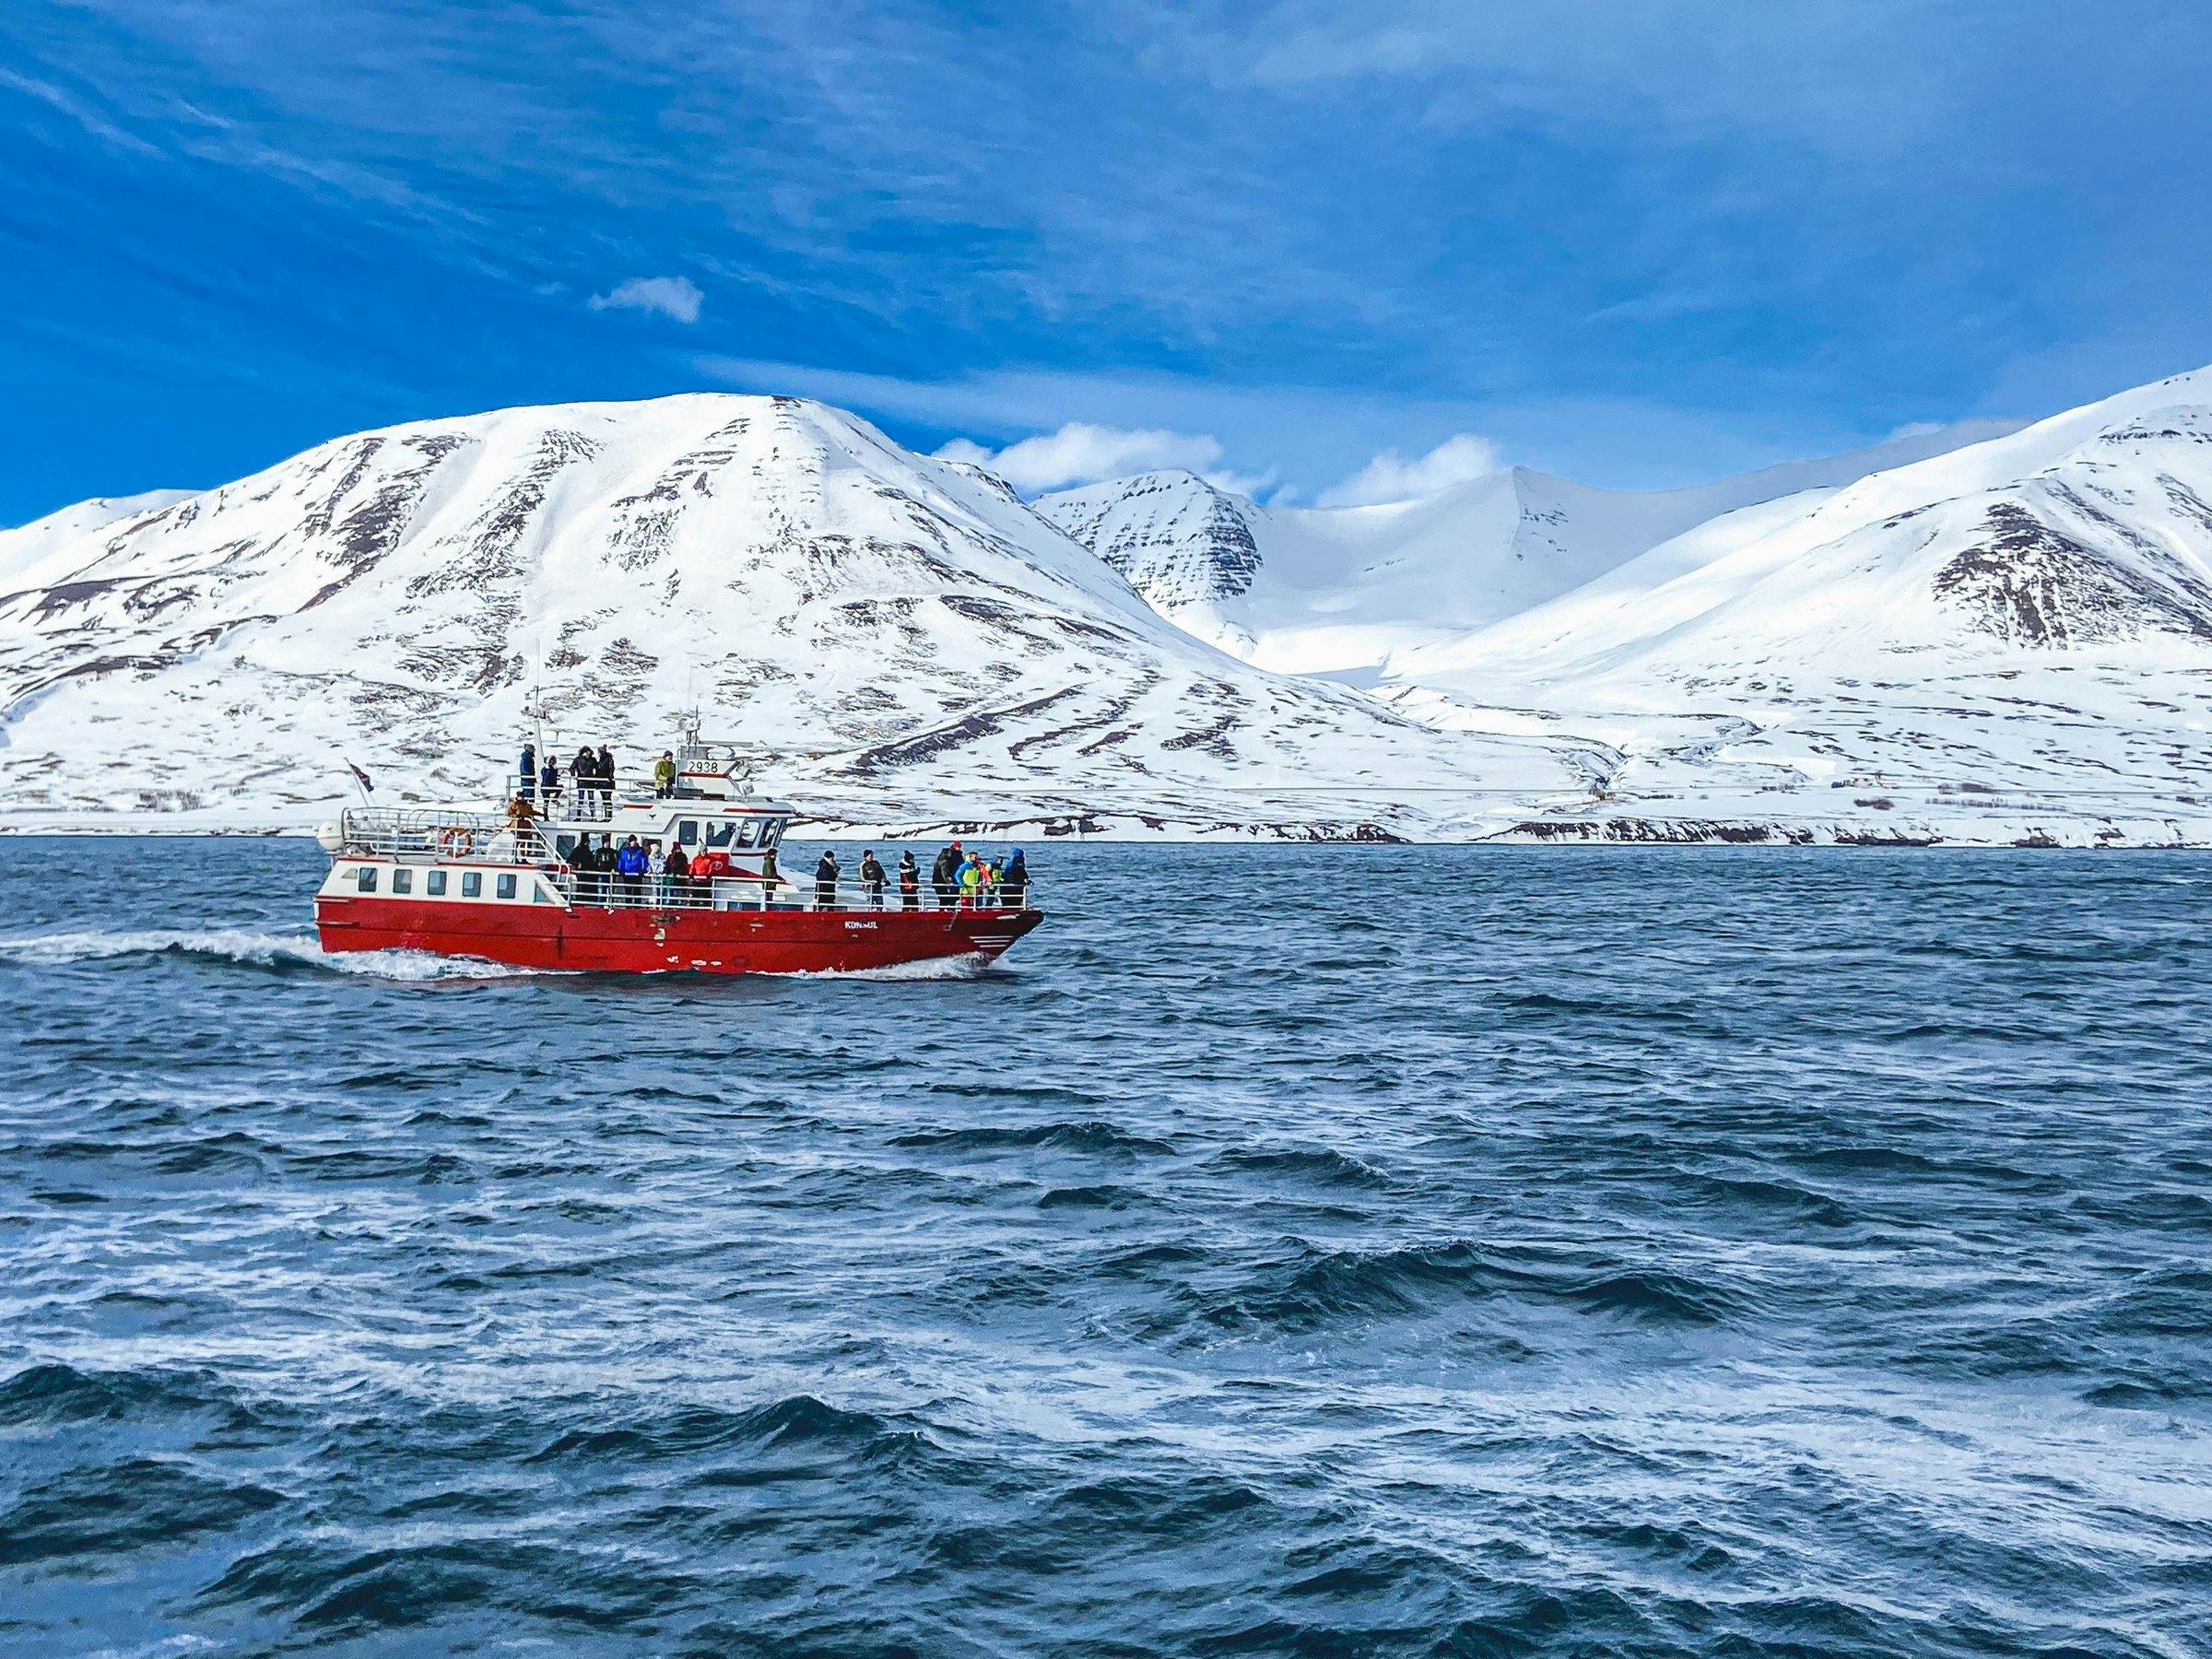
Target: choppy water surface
[1369, 1250]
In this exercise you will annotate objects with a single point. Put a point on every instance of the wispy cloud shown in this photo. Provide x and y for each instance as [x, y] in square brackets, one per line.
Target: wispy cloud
[676, 298]
[1390, 476]
[1083, 452]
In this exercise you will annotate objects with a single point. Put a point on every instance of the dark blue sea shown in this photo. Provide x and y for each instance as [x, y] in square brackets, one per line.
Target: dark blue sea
[1331, 1250]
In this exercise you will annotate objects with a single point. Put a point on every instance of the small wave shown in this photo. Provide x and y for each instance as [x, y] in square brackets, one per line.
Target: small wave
[1324, 1165]
[1093, 1134]
[284, 951]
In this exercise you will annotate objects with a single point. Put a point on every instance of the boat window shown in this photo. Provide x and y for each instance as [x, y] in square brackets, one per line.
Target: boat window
[565, 846]
[472, 884]
[749, 832]
[365, 878]
[434, 884]
[774, 834]
[542, 894]
[507, 887]
[403, 881]
[720, 833]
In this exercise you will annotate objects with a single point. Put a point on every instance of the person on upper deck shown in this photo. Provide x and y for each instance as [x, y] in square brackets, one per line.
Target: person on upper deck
[910, 881]
[944, 875]
[583, 771]
[873, 880]
[825, 881]
[663, 775]
[549, 784]
[529, 770]
[606, 782]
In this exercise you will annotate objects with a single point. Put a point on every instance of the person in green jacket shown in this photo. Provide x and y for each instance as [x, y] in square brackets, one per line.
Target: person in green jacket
[663, 775]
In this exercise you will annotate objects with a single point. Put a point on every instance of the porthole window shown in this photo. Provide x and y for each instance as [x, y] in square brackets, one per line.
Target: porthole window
[365, 878]
[403, 881]
[472, 884]
[507, 887]
[434, 884]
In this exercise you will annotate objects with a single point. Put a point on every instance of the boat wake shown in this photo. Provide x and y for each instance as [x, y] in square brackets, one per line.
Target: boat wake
[283, 951]
[975, 965]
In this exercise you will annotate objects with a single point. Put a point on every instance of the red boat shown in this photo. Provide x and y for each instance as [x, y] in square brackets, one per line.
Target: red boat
[501, 886]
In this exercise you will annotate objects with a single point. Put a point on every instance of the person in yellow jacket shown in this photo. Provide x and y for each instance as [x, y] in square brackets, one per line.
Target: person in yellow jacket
[971, 880]
[663, 775]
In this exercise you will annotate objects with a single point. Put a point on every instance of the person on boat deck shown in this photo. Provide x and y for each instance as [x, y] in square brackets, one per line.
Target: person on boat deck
[663, 775]
[944, 875]
[586, 867]
[1014, 880]
[910, 881]
[873, 880]
[769, 880]
[606, 782]
[529, 770]
[656, 874]
[629, 869]
[549, 784]
[582, 771]
[825, 881]
[681, 888]
[971, 882]
[705, 867]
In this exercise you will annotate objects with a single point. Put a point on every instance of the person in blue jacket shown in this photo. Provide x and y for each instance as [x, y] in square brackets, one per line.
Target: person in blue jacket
[1014, 880]
[530, 771]
[630, 870]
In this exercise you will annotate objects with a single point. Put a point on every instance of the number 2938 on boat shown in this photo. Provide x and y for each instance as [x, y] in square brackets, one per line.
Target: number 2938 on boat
[566, 878]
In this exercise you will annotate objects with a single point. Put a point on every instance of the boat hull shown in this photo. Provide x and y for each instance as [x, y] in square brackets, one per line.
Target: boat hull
[645, 940]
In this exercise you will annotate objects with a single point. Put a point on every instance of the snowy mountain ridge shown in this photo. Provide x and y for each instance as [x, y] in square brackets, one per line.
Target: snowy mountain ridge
[2008, 640]
[907, 640]
[1314, 590]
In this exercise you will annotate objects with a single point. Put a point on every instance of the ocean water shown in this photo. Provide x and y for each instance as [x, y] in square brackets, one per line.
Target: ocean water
[1350, 1249]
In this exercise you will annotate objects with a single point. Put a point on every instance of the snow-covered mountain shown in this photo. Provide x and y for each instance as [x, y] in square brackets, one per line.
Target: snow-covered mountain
[1339, 590]
[910, 641]
[2019, 630]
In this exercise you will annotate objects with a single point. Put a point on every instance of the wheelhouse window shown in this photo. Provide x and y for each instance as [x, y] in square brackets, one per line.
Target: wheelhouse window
[434, 884]
[749, 832]
[403, 881]
[472, 884]
[365, 878]
[720, 833]
[772, 833]
[507, 887]
[687, 833]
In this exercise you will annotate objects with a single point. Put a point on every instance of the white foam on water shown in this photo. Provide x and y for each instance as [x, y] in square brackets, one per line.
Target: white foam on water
[261, 950]
[974, 965]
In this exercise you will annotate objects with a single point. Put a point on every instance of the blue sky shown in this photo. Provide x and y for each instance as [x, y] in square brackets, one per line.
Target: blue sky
[1636, 242]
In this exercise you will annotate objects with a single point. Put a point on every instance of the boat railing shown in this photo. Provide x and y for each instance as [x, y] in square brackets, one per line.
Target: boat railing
[440, 835]
[745, 892]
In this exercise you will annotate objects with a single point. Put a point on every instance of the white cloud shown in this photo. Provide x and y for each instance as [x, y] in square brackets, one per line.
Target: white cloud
[676, 298]
[1390, 476]
[1083, 452]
